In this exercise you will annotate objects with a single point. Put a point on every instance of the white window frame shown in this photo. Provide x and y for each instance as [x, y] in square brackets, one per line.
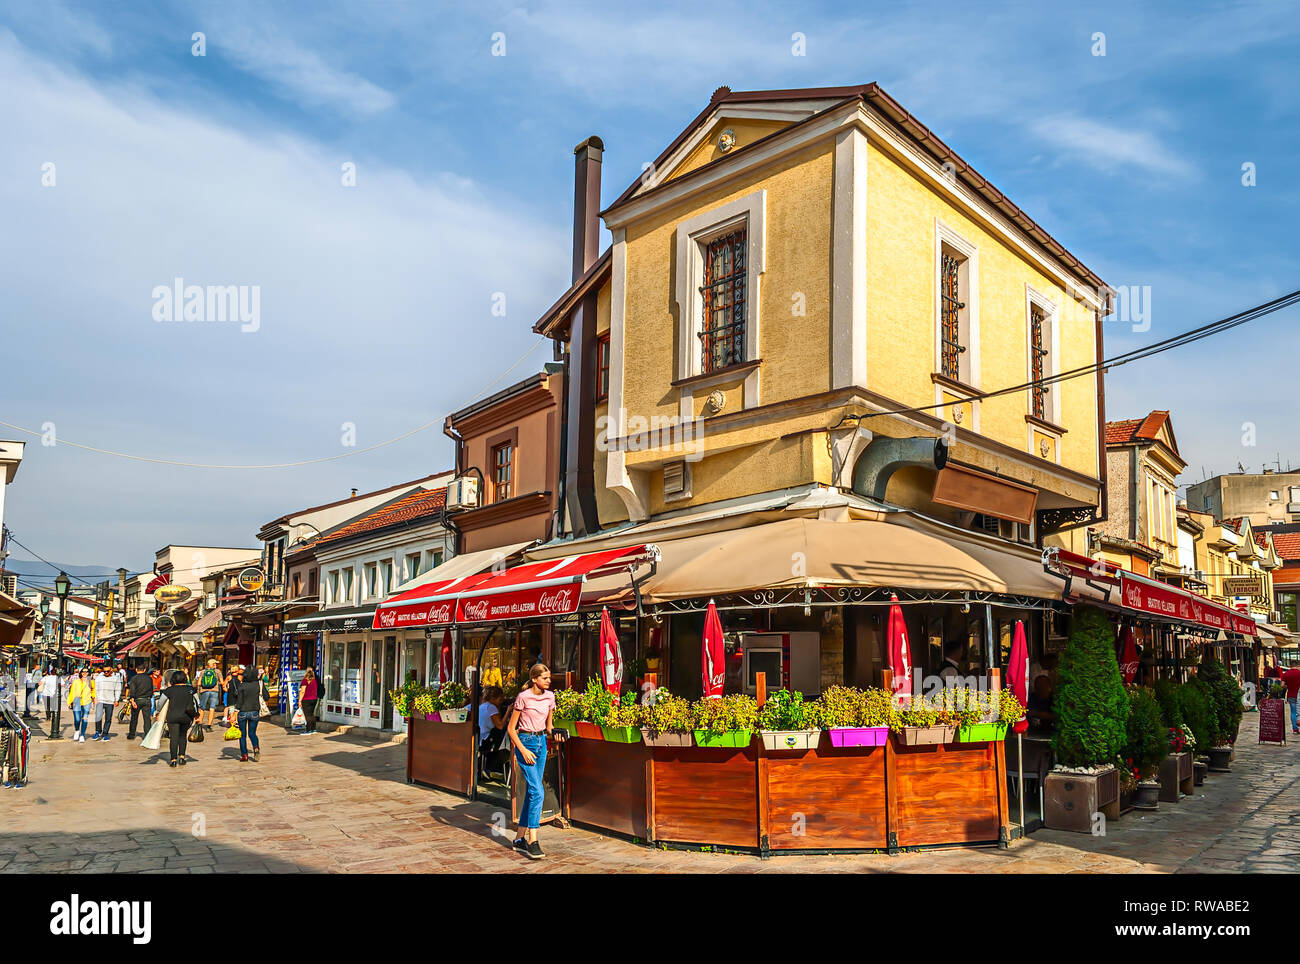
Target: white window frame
[332, 587]
[346, 578]
[943, 234]
[370, 580]
[413, 564]
[385, 576]
[692, 237]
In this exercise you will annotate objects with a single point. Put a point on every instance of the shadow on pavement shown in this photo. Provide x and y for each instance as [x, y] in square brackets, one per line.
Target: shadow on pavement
[149, 850]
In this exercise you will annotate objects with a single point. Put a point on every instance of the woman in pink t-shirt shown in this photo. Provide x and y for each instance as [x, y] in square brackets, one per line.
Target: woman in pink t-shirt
[528, 729]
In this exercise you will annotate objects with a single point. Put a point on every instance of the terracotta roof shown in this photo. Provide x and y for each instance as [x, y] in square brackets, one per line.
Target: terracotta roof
[1234, 524]
[1147, 429]
[1287, 544]
[415, 505]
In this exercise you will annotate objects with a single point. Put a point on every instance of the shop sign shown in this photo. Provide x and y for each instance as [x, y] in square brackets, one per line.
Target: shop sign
[435, 613]
[251, 579]
[172, 593]
[1175, 604]
[1243, 586]
[164, 623]
[523, 603]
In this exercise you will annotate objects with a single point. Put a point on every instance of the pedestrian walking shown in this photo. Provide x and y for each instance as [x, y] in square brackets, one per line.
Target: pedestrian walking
[528, 729]
[250, 694]
[81, 699]
[50, 689]
[139, 691]
[230, 686]
[108, 693]
[182, 710]
[1291, 679]
[310, 696]
[155, 676]
[33, 688]
[209, 687]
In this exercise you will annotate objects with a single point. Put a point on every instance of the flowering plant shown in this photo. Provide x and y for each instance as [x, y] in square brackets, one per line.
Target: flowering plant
[1181, 739]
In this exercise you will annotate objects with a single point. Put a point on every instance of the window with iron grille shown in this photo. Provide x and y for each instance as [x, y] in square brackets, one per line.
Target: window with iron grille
[722, 335]
[951, 347]
[602, 367]
[1037, 357]
[502, 471]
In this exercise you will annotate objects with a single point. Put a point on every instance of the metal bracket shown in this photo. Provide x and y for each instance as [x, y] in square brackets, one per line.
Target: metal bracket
[892, 840]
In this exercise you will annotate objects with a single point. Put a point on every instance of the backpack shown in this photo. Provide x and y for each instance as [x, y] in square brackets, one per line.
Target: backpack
[209, 679]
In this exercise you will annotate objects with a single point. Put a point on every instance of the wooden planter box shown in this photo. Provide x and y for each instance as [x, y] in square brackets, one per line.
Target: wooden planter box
[926, 735]
[1071, 799]
[1176, 777]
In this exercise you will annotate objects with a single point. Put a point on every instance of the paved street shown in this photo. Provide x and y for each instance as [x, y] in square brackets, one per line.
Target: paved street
[339, 803]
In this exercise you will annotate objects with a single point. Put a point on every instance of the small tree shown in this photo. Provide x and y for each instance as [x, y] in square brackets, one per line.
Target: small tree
[1146, 736]
[1225, 695]
[1091, 707]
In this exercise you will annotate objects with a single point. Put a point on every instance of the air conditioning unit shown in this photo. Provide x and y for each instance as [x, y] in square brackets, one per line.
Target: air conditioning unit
[676, 480]
[1200, 575]
[462, 493]
[9, 585]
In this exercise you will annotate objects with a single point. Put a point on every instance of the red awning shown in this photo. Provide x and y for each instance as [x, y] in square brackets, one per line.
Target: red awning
[535, 589]
[143, 638]
[77, 654]
[1149, 597]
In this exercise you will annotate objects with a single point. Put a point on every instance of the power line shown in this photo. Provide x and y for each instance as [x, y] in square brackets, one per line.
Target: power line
[275, 465]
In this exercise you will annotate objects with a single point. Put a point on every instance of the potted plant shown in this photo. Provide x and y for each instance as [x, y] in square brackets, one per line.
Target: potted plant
[568, 710]
[595, 704]
[726, 722]
[788, 723]
[1146, 744]
[982, 718]
[623, 721]
[1177, 770]
[1091, 708]
[454, 702]
[926, 721]
[857, 717]
[1225, 698]
[426, 705]
[668, 721]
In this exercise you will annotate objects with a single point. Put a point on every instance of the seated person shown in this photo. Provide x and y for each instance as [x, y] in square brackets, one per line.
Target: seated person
[949, 668]
[491, 724]
[1039, 711]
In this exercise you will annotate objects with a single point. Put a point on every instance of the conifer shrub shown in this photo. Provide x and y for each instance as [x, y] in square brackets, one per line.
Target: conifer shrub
[1091, 707]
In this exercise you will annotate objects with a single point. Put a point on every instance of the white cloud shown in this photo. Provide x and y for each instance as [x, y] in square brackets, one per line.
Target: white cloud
[1108, 147]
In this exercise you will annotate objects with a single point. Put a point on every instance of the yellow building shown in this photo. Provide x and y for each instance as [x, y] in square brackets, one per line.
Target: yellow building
[1234, 563]
[807, 289]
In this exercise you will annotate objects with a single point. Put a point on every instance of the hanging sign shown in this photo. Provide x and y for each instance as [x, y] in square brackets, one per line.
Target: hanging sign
[172, 593]
[1243, 586]
[164, 623]
[251, 579]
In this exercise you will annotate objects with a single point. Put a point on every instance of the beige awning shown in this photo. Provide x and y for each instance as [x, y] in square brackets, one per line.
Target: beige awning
[15, 620]
[466, 564]
[899, 552]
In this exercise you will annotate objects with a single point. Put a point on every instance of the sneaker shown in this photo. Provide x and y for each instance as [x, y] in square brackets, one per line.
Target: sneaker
[93, 738]
[257, 754]
[181, 761]
[535, 851]
[521, 845]
[171, 763]
[244, 758]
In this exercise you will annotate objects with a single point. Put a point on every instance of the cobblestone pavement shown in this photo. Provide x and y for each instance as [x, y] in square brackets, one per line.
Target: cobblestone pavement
[340, 804]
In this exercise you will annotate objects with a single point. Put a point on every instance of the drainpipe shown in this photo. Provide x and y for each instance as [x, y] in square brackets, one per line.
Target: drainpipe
[885, 456]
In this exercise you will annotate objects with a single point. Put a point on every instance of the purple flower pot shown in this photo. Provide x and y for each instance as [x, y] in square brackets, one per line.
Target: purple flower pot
[859, 736]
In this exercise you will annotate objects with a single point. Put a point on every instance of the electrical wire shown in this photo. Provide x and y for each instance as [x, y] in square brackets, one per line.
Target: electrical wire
[273, 465]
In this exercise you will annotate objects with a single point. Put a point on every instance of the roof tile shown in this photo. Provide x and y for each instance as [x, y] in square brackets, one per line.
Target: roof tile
[416, 505]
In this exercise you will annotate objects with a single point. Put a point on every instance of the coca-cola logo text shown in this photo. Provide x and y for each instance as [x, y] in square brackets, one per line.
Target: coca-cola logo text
[476, 610]
[560, 601]
[387, 619]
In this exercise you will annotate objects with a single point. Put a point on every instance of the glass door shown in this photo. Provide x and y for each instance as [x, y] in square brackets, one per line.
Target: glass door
[388, 683]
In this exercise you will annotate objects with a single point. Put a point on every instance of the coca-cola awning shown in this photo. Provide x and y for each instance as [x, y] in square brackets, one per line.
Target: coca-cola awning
[529, 591]
[1148, 596]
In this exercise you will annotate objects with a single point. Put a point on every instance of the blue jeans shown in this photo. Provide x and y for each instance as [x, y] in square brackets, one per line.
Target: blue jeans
[1295, 714]
[80, 716]
[247, 731]
[530, 809]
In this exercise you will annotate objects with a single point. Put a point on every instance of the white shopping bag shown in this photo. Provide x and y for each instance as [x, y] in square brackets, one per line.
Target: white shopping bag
[153, 739]
[299, 719]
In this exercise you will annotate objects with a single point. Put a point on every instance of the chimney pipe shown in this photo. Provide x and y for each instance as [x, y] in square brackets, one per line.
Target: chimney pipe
[578, 442]
[586, 204]
[353, 495]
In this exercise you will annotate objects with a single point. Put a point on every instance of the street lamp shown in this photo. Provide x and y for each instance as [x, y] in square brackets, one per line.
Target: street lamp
[62, 584]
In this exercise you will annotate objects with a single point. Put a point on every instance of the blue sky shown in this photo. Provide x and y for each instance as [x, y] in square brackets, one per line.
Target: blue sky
[376, 300]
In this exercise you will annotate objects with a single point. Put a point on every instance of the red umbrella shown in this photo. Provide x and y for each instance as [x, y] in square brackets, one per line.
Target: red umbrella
[611, 655]
[900, 656]
[712, 657]
[1018, 672]
[1128, 666]
[444, 658]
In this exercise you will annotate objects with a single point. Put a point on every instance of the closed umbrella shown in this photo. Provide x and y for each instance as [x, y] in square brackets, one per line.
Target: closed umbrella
[1128, 666]
[444, 658]
[1018, 680]
[712, 656]
[611, 655]
[900, 655]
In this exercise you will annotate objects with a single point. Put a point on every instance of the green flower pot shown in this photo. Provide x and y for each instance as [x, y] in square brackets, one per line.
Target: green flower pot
[568, 726]
[735, 739]
[982, 733]
[621, 734]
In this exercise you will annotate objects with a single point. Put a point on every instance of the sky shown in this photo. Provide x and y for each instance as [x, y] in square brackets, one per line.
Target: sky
[394, 183]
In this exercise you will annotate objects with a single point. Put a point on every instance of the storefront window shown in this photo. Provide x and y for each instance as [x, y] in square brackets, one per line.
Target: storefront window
[352, 673]
[334, 676]
[564, 652]
[414, 652]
